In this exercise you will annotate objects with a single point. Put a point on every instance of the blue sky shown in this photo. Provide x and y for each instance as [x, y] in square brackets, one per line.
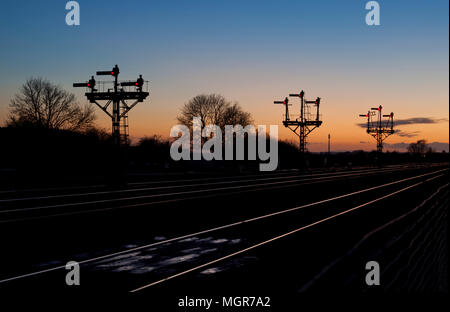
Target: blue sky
[249, 51]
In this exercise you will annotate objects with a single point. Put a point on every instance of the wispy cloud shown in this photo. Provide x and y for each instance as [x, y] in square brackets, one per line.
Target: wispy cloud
[419, 120]
[411, 121]
[405, 134]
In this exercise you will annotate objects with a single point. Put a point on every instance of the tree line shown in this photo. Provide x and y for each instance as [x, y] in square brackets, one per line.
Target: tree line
[47, 131]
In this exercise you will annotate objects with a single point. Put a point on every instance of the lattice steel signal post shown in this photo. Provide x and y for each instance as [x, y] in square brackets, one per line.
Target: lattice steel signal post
[117, 96]
[307, 121]
[378, 127]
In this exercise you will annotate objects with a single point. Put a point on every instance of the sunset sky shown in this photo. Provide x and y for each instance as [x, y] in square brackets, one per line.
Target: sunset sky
[252, 52]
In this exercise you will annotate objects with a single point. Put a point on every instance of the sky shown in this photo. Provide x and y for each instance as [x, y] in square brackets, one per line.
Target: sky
[251, 52]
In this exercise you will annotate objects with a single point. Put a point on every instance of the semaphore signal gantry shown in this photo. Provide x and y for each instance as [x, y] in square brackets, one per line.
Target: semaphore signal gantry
[377, 127]
[117, 96]
[307, 121]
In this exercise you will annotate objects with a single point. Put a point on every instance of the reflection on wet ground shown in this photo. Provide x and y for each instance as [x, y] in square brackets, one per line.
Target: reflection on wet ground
[167, 257]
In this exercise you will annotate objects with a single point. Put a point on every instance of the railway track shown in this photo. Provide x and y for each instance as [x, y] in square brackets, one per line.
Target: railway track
[13, 208]
[169, 261]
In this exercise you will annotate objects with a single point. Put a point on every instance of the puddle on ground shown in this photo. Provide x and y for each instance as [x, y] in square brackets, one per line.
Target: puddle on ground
[166, 257]
[211, 271]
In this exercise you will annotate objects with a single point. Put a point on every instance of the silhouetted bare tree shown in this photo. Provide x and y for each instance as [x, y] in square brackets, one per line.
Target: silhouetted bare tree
[213, 109]
[43, 104]
[418, 148]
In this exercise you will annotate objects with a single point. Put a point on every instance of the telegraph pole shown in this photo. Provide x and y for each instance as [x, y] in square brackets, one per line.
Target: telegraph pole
[329, 137]
[307, 121]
